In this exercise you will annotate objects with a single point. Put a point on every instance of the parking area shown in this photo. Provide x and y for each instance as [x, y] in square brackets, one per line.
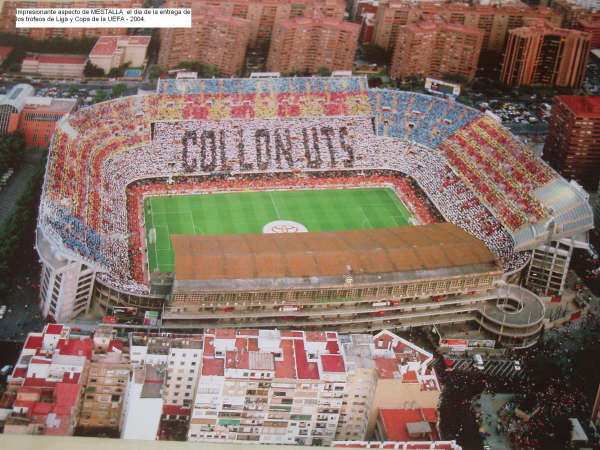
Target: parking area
[499, 367]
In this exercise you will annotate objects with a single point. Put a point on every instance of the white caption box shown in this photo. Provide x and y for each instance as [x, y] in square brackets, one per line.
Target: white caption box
[104, 18]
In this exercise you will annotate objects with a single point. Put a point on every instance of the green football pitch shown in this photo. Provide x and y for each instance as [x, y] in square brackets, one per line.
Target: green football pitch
[248, 212]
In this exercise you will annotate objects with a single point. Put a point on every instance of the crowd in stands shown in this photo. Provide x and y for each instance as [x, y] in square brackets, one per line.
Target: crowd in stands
[503, 173]
[259, 125]
[417, 117]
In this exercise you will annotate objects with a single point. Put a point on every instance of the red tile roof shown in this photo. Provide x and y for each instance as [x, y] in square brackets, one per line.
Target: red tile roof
[42, 408]
[34, 342]
[76, 347]
[305, 370]
[237, 360]
[332, 347]
[394, 421]
[248, 332]
[66, 394]
[386, 367]
[62, 59]
[410, 377]
[71, 377]
[106, 45]
[315, 336]
[225, 333]
[209, 348]
[333, 363]
[287, 367]
[212, 366]
[53, 328]
[115, 344]
[19, 372]
[253, 345]
[38, 382]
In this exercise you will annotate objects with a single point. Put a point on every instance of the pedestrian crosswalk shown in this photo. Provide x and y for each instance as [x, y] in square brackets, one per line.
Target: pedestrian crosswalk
[496, 367]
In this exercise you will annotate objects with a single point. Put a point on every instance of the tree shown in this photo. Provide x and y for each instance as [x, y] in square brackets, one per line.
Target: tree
[375, 54]
[154, 71]
[118, 90]
[99, 96]
[323, 71]
[92, 70]
[455, 78]
[204, 70]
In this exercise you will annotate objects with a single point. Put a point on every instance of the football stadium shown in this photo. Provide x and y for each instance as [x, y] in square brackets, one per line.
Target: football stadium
[304, 202]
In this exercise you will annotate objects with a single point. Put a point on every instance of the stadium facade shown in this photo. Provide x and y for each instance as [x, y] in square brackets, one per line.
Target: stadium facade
[514, 221]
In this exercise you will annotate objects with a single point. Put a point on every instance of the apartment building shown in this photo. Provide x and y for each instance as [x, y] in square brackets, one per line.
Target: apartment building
[269, 386]
[433, 48]
[113, 51]
[593, 28]
[384, 371]
[573, 142]
[307, 44]
[494, 21]
[166, 369]
[105, 391]
[541, 53]
[214, 38]
[35, 117]
[264, 14]
[47, 383]
[8, 18]
[572, 11]
[39, 116]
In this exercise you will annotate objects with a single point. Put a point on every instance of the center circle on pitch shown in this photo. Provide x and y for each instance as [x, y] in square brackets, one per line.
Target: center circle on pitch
[284, 226]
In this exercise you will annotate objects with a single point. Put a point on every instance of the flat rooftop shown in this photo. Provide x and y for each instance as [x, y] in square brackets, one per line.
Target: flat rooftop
[299, 259]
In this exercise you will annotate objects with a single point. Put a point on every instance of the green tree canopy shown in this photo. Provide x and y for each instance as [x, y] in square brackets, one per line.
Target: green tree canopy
[204, 70]
[92, 70]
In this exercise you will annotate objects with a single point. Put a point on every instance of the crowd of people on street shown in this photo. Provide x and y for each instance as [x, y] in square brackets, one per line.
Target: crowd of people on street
[559, 396]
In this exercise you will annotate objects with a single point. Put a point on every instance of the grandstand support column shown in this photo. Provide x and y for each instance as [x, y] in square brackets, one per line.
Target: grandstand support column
[548, 268]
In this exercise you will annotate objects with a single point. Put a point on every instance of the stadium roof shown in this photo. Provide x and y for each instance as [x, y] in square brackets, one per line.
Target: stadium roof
[315, 259]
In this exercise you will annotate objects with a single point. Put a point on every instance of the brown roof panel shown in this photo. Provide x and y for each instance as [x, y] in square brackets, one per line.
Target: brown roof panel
[375, 251]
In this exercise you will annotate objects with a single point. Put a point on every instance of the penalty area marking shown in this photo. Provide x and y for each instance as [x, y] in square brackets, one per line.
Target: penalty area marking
[284, 226]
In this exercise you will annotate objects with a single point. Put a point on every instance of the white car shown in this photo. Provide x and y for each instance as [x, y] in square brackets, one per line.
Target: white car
[517, 365]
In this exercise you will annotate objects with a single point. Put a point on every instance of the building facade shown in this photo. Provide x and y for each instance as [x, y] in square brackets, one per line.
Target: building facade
[8, 18]
[35, 117]
[264, 14]
[113, 51]
[494, 21]
[39, 116]
[48, 382]
[543, 54]
[307, 44]
[573, 142]
[67, 66]
[572, 11]
[384, 371]
[214, 38]
[431, 49]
